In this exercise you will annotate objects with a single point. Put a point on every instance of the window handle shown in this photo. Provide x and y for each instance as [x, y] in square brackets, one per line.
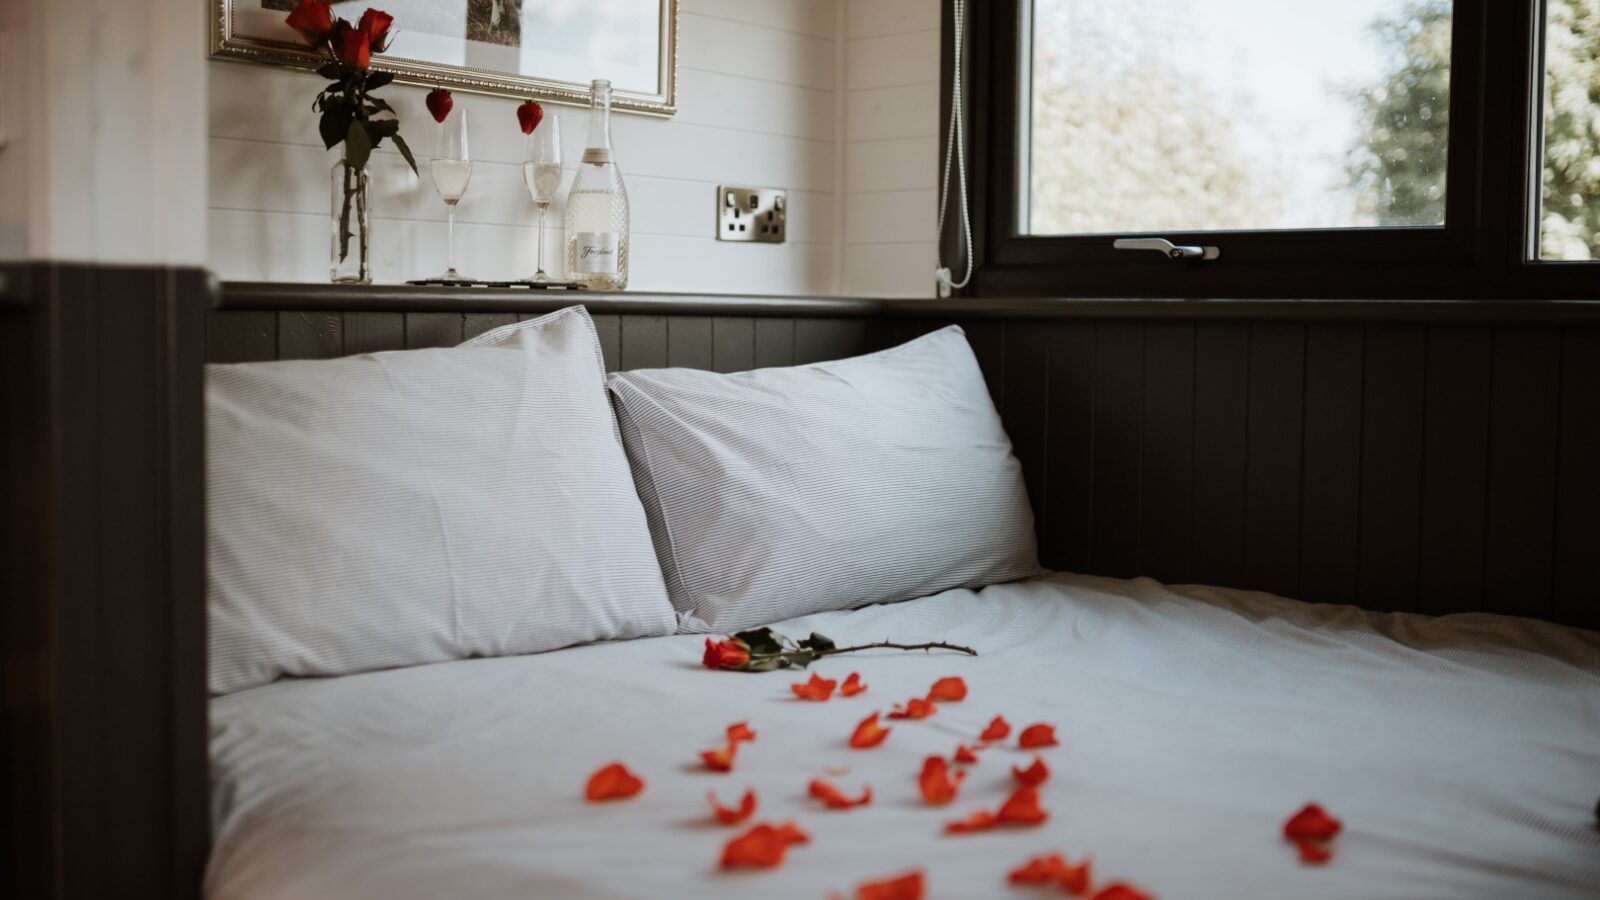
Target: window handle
[1167, 248]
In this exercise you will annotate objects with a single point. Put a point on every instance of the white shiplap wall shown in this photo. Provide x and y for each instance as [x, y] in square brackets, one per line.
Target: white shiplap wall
[834, 100]
[891, 147]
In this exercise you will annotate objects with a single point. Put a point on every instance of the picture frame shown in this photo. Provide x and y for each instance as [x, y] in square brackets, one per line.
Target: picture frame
[546, 50]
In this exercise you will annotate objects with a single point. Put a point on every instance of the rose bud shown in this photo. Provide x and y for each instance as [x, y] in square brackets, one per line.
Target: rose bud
[313, 19]
[439, 103]
[529, 115]
[376, 24]
[355, 50]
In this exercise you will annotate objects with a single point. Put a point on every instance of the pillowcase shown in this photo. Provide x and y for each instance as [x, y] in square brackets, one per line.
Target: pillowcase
[782, 492]
[409, 507]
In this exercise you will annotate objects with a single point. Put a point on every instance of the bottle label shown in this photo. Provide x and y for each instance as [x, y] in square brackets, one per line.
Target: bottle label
[597, 253]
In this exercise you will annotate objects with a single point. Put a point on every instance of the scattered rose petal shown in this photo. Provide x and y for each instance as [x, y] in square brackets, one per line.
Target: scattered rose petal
[818, 688]
[834, 798]
[852, 685]
[1121, 891]
[1022, 807]
[868, 733]
[612, 782]
[904, 887]
[1053, 869]
[1040, 735]
[949, 689]
[721, 759]
[1314, 853]
[1313, 823]
[732, 815]
[999, 729]
[981, 820]
[964, 755]
[938, 783]
[1033, 775]
[915, 708]
[740, 731]
[762, 847]
[1076, 879]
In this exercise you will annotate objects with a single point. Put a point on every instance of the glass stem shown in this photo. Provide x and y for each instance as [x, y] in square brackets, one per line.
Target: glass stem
[542, 208]
[450, 241]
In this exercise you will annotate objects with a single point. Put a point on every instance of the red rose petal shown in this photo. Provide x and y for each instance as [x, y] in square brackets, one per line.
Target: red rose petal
[612, 782]
[964, 755]
[740, 731]
[949, 689]
[818, 688]
[834, 798]
[868, 733]
[721, 759]
[1039, 870]
[1312, 822]
[1033, 775]
[980, 820]
[762, 847]
[1040, 735]
[915, 708]
[938, 783]
[1076, 879]
[1314, 853]
[852, 685]
[732, 815]
[999, 729]
[1121, 891]
[1022, 808]
[904, 887]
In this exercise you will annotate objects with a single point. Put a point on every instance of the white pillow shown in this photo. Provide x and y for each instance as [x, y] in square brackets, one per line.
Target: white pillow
[409, 507]
[782, 492]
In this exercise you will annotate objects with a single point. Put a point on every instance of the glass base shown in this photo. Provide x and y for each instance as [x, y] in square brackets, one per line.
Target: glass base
[351, 279]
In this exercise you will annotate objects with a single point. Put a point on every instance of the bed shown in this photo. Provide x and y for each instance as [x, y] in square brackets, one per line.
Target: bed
[1462, 753]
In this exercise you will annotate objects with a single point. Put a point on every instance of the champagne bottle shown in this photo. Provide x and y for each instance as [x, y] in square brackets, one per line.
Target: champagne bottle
[597, 207]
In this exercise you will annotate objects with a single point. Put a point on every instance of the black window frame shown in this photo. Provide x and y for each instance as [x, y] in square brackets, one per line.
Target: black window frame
[1482, 251]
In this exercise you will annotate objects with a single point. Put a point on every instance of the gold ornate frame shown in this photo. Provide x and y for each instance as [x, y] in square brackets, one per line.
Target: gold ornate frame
[227, 45]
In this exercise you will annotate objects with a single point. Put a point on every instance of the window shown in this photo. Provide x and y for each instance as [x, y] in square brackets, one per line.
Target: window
[1569, 175]
[1365, 148]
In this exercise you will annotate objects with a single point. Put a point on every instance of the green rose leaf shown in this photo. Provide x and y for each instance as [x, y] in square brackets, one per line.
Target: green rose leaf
[405, 151]
[379, 79]
[357, 145]
[335, 123]
[818, 642]
[331, 71]
[761, 641]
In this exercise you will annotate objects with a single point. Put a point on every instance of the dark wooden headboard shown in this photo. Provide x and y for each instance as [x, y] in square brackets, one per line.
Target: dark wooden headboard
[1435, 456]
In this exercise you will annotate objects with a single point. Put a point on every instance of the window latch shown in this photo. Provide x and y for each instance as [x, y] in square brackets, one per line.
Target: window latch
[1166, 248]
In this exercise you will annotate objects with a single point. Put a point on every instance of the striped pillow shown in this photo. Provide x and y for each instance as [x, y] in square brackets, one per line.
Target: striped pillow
[400, 508]
[782, 492]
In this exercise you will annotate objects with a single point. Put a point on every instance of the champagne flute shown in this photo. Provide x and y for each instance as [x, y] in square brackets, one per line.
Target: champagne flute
[451, 168]
[541, 169]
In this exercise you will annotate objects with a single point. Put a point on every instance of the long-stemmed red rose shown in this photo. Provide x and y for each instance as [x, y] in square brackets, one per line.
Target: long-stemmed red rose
[762, 650]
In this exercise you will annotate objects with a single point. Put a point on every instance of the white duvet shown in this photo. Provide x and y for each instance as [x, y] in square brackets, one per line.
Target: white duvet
[1462, 754]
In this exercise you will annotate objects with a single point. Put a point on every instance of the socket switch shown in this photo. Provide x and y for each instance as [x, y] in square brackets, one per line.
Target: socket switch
[751, 214]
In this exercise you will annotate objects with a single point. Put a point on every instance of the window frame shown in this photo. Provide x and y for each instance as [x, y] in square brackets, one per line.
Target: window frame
[1482, 251]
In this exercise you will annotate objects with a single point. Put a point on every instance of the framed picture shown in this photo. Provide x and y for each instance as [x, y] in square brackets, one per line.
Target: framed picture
[545, 49]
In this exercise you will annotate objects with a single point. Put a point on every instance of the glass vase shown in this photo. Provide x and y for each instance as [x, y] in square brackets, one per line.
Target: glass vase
[351, 260]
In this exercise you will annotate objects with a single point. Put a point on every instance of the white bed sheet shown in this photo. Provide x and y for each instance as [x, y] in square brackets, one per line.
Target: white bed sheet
[1462, 753]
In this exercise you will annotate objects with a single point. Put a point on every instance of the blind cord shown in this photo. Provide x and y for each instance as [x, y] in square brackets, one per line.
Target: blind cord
[955, 146]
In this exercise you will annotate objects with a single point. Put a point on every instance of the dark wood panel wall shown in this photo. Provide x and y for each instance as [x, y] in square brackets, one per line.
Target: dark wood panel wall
[102, 613]
[1426, 468]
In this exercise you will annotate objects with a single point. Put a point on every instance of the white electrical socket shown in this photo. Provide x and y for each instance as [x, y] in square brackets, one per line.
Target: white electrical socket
[757, 215]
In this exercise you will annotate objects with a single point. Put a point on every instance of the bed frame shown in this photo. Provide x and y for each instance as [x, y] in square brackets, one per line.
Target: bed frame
[1429, 456]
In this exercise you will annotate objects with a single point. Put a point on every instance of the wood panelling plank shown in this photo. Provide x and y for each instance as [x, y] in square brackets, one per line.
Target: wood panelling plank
[1069, 478]
[644, 342]
[1523, 451]
[1166, 497]
[374, 332]
[609, 328]
[475, 324]
[1391, 466]
[233, 337]
[1576, 588]
[774, 342]
[1027, 381]
[819, 340]
[689, 342]
[1330, 499]
[733, 344]
[1272, 473]
[1454, 467]
[989, 345]
[433, 330]
[310, 335]
[1118, 403]
[1221, 433]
